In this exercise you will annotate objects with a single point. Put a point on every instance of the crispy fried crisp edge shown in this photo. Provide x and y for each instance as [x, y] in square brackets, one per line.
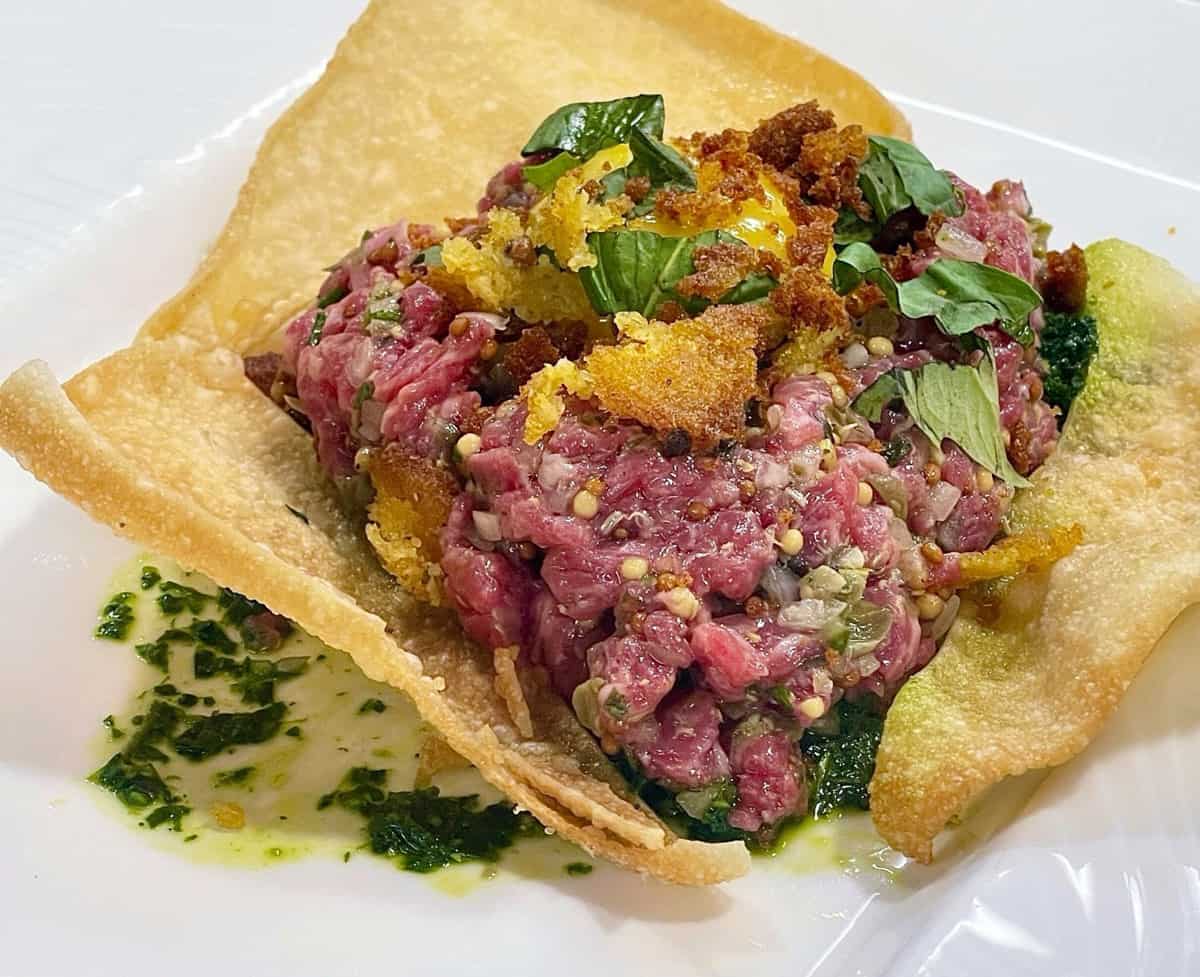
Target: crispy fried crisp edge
[319, 578]
[1033, 688]
[351, 153]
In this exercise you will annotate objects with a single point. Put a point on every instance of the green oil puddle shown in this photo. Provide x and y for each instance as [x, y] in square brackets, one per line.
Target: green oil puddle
[269, 816]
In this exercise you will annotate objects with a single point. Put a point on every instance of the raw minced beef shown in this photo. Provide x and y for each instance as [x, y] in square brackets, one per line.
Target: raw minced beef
[700, 608]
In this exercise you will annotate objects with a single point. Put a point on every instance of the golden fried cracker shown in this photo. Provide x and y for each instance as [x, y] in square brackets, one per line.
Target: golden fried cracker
[171, 446]
[1032, 688]
[422, 104]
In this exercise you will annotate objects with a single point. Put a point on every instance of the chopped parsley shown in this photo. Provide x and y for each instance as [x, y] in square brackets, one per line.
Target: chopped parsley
[333, 295]
[237, 777]
[171, 814]
[254, 678]
[157, 726]
[1069, 344]
[116, 617]
[136, 783]
[114, 731]
[206, 736]
[297, 513]
[364, 393]
[702, 815]
[578, 868]
[896, 450]
[318, 327]
[177, 598]
[371, 705]
[422, 829]
[150, 576]
[844, 762]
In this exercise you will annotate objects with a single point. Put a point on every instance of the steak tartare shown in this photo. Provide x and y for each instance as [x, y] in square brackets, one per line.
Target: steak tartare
[714, 433]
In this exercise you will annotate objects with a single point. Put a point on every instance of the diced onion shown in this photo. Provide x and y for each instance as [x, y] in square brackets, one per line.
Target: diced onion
[898, 530]
[487, 524]
[957, 243]
[866, 665]
[370, 417]
[780, 585]
[811, 614]
[941, 624]
[821, 682]
[773, 475]
[943, 497]
[557, 477]
[611, 522]
[892, 490]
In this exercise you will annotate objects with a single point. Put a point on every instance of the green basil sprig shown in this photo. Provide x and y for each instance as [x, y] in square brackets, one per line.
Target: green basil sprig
[584, 128]
[957, 402]
[545, 175]
[637, 271]
[655, 160]
[960, 295]
[895, 176]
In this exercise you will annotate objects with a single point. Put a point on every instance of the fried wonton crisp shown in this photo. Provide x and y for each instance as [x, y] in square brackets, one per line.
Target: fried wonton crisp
[372, 140]
[173, 447]
[1028, 683]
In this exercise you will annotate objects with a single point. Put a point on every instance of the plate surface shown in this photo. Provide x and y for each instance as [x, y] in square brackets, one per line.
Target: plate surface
[117, 174]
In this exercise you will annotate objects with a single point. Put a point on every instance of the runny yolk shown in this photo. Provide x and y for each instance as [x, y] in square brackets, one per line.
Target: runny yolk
[763, 226]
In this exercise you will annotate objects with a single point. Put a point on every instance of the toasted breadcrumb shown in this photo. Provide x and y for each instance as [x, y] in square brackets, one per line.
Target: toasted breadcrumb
[695, 374]
[562, 220]
[537, 293]
[412, 501]
[543, 396]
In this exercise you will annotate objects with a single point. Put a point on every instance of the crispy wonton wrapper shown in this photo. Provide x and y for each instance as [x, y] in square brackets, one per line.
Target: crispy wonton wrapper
[173, 447]
[421, 105]
[1032, 687]
[169, 445]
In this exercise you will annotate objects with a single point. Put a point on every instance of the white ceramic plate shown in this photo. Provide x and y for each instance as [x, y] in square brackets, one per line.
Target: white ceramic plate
[128, 129]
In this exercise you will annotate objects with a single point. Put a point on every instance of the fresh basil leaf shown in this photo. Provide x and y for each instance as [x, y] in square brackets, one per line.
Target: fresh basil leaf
[872, 401]
[963, 295]
[637, 271]
[750, 289]
[858, 263]
[896, 175]
[653, 158]
[545, 175]
[584, 128]
[850, 229]
[960, 295]
[956, 402]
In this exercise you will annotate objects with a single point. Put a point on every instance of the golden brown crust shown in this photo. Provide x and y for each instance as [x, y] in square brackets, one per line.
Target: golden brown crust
[718, 267]
[694, 374]
[425, 488]
[337, 161]
[1031, 687]
[174, 448]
